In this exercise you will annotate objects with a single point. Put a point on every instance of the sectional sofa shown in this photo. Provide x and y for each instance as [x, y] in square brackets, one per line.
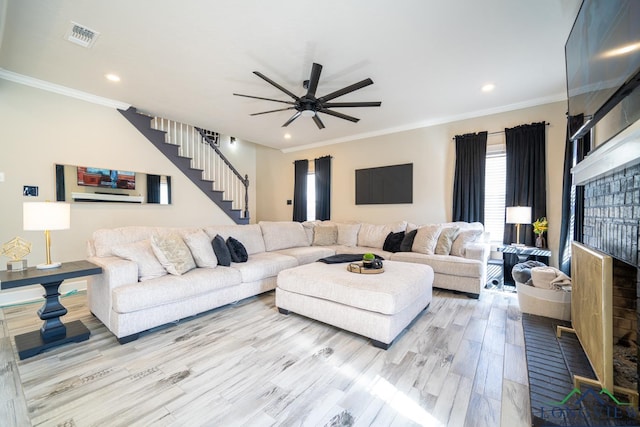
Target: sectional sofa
[157, 275]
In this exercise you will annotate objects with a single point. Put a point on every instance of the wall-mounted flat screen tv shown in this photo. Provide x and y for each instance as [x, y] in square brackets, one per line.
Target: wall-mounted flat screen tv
[106, 178]
[602, 57]
[385, 185]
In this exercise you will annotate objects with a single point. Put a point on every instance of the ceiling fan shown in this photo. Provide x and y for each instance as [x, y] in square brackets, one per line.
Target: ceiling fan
[308, 105]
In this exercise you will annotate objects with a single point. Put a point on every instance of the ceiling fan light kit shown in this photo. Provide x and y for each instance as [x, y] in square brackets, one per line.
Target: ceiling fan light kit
[308, 105]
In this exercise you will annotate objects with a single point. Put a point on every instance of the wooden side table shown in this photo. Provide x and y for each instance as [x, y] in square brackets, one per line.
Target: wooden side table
[53, 332]
[516, 254]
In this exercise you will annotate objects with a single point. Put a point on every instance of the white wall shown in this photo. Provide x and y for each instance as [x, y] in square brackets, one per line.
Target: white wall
[39, 129]
[432, 152]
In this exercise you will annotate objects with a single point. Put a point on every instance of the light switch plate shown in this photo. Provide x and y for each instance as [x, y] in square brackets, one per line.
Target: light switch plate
[1, 176]
[30, 191]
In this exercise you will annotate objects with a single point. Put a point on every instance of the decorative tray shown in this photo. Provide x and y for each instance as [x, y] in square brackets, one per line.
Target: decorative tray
[357, 267]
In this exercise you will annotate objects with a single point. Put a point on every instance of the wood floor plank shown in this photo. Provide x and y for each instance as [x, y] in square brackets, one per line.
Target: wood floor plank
[246, 364]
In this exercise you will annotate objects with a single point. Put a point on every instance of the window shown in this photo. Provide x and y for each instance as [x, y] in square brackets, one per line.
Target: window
[311, 197]
[495, 188]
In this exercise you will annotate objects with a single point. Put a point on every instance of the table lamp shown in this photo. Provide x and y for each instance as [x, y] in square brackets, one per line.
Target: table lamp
[518, 215]
[46, 216]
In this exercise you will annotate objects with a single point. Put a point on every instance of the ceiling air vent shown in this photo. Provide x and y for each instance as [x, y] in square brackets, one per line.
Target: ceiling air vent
[81, 35]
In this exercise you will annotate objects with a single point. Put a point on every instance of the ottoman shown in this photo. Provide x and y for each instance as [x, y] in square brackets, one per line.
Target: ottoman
[377, 306]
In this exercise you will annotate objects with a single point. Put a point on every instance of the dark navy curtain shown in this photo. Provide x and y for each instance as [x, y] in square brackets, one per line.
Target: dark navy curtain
[572, 207]
[526, 176]
[468, 182]
[300, 172]
[323, 188]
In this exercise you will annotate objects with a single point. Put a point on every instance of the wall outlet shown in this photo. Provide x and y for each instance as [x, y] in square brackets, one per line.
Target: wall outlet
[289, 202]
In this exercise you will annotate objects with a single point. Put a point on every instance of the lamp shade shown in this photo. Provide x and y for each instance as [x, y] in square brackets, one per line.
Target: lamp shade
[518, 215]
[46, 216]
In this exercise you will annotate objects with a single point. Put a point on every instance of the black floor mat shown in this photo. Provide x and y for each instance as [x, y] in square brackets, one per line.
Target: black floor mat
[551, 364]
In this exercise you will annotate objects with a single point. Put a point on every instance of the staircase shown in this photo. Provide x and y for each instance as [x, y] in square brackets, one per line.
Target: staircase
[194, 151]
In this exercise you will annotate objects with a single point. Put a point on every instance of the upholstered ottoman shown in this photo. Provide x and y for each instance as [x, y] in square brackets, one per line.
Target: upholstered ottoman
[377, 306]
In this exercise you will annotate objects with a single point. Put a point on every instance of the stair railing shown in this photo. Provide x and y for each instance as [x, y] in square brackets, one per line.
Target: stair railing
[201, 146]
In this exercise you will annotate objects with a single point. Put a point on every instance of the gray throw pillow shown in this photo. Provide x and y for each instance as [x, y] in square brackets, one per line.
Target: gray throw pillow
[237, 250]
[407, 241]
[221, 250]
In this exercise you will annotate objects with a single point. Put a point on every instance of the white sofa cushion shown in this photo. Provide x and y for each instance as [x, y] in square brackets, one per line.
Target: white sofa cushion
[263, 265]
[283, 234]
[309, 253]
[249, 235]
[170, 289]
[106, 239]
[142, 254]
[426, 239]
[443, 264]
[373, 235]
[173, 253]
[200, 246]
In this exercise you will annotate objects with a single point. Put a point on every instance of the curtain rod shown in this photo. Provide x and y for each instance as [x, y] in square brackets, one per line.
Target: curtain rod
[331, 157]
[500, 131]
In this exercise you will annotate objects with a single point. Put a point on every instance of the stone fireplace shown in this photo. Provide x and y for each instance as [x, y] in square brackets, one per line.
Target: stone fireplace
[611, 226]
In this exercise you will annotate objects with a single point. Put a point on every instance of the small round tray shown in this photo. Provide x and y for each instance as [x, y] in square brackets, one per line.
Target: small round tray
[357, 267]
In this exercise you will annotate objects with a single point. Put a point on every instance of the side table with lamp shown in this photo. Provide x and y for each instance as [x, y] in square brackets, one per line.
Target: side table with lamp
[48, 216]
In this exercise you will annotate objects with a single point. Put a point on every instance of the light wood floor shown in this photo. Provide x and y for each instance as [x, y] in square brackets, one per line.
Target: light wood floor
[462, 363]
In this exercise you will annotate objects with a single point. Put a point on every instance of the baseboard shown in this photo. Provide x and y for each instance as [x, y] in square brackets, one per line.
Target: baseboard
[32, 294]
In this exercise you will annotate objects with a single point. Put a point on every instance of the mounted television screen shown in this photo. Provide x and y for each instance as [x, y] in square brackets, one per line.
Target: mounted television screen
[385, 185]
[602, 58]
[106, 178]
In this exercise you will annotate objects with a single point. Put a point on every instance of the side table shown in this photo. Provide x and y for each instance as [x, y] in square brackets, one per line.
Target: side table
[516, 254]
[53, 332]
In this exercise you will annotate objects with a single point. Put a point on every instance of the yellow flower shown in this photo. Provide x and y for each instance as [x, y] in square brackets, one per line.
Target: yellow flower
[541, 225]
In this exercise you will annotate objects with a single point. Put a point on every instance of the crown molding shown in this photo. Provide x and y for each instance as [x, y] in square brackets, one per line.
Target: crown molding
[61, 90]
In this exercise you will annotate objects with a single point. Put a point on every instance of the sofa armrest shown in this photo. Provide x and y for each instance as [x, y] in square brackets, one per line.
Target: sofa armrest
[478, 251]
[115, 272]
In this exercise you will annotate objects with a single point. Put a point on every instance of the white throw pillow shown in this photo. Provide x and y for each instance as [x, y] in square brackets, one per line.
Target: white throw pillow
[464, 238]
[173, 253]
[426, 239]
[348, 234]
[141, 253]
[325, 235]
[201, 249]
[445, 240]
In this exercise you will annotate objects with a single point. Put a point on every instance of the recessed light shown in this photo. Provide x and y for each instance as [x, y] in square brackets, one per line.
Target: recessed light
[287, 136]
[112, 77]
[488, 87]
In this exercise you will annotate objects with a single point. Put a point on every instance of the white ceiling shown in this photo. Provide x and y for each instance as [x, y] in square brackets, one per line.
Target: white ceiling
[184, 59]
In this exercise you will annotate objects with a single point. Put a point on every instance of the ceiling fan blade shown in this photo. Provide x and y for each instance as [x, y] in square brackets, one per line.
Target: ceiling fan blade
[288, 122]
[318, 122]
[264, 99]
[314, 79]
[351, 104]
[340, 115]
[272, 111]
[345, 90]
[271, 82]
